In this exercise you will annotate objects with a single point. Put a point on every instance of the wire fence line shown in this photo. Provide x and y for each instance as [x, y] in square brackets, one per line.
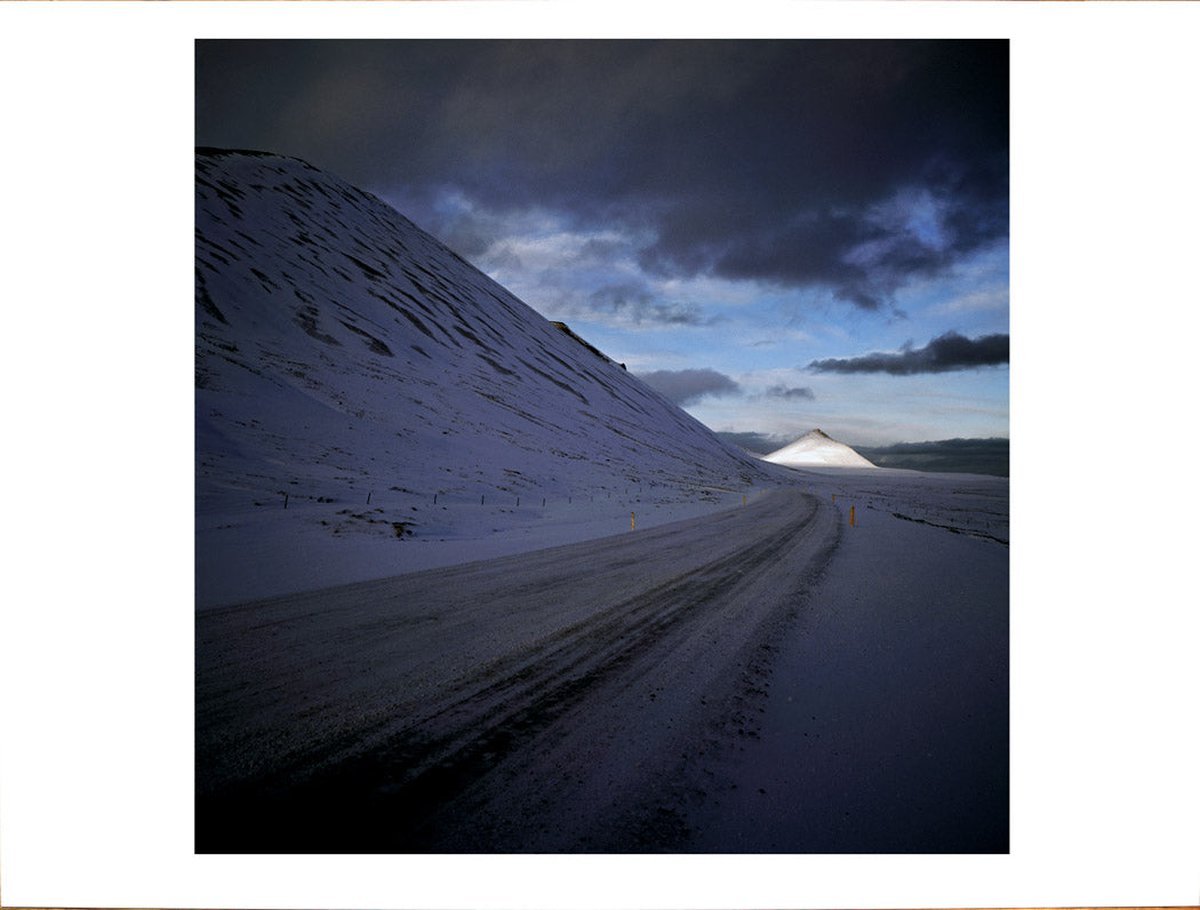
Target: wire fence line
[305, 495]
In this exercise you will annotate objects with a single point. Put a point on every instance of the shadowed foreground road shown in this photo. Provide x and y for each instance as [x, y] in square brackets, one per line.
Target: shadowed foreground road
[582, 698]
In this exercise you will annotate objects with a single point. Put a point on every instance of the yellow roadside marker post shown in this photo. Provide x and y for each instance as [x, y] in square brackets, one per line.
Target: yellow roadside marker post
[631, 521]
[852, 516]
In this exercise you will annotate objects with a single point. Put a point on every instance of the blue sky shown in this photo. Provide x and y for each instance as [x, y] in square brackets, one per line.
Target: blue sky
[763, 338]
[780, 235]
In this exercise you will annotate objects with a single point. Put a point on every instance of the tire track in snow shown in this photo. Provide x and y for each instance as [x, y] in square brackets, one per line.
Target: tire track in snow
[556, 722]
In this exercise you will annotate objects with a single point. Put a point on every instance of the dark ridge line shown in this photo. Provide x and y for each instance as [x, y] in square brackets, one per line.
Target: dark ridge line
[264, 280]
[471, 336]
[373, 343]
[206, 302]
[372, 273]
[232, 189]
[563, 363]
[562, 327]
[495, 366]
[212, 151]
[421, 327]
[308, 322]
[953, 530]
[566, 387]
[201, 238]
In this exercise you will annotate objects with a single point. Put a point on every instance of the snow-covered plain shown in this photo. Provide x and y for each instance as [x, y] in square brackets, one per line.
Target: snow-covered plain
[763, 678]
[463, 583]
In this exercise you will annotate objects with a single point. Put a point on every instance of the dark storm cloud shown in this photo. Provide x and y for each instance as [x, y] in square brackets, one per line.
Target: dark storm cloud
[637, 304]
[947, 352]
[849, 166]
[689, 386]
[974, 456]
[757, 443]
[790, 393]
[470, 237]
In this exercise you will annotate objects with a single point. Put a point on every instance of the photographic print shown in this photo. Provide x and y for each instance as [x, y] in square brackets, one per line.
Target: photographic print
[602, 446]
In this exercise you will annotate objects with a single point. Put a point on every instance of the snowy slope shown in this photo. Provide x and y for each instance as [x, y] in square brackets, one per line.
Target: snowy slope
[816, 448]
[350, 369]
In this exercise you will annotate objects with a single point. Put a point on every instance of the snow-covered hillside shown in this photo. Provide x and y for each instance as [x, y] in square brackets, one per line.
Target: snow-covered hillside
[816, 448]
[360, 388]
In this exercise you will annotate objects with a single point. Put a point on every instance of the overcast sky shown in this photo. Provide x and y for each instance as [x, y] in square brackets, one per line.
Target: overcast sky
[779, 235]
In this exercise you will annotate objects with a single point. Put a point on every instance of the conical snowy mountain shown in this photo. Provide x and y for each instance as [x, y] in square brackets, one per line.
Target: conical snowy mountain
[816, 448]
[343, 356]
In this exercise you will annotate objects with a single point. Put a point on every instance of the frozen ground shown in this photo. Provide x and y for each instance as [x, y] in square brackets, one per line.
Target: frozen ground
[261, 549]
[886, 726]
[760, 678]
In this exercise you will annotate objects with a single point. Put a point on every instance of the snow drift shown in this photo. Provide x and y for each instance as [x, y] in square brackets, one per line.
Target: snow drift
[816, 448]
[351, 367]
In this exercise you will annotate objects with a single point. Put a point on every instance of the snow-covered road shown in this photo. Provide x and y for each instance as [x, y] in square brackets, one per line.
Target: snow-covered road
[575, 698]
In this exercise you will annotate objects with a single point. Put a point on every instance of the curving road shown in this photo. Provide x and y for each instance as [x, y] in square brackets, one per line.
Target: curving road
[580, 698]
